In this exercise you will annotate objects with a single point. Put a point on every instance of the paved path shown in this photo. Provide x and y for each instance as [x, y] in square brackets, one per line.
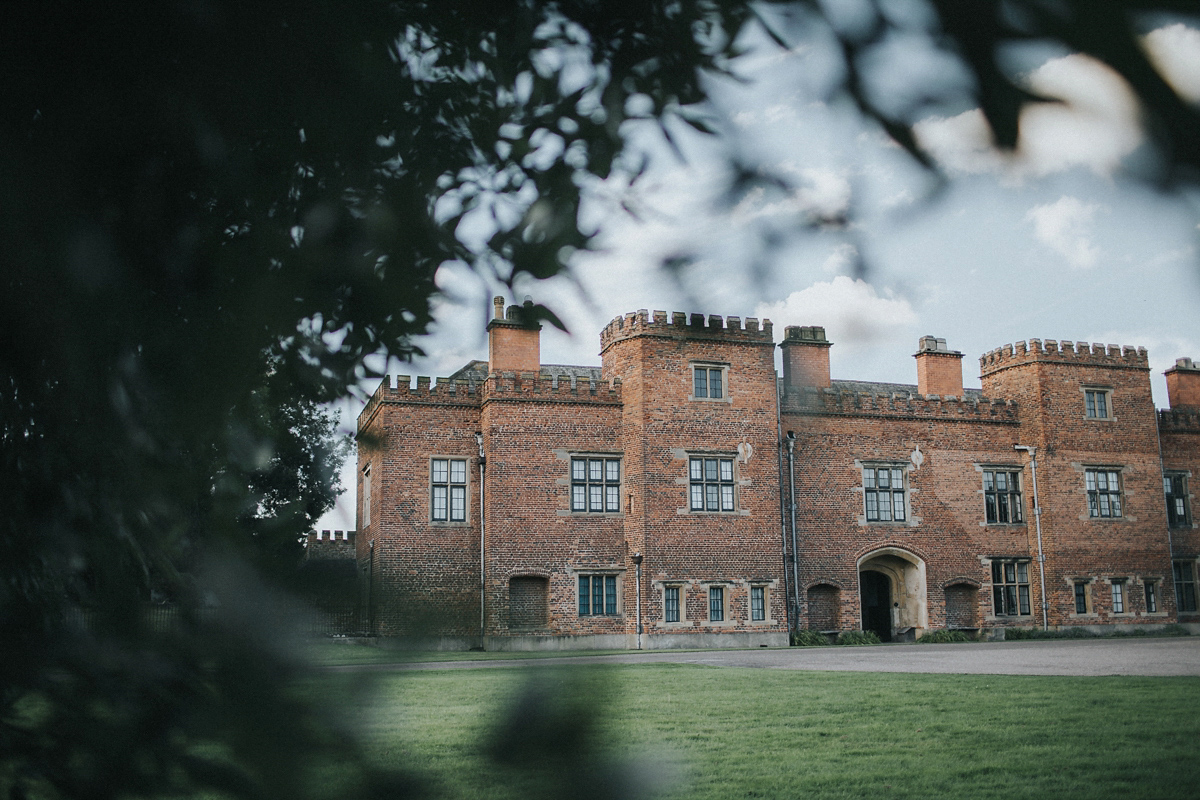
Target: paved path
[1155, 657]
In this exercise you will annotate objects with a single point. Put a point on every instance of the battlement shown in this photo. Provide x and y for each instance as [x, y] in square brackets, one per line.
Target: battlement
[898, 405]
[681, 325]
[551, 386]
[1176, 421]
[1050, 350]
[329, 545]
[400, 389]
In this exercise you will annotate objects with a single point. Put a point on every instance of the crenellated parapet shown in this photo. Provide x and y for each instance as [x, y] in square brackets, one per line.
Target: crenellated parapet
[329, 545]
[548, 386]
[1112, 356]
[810, 401]
[1178, 421]
[427, 391]
[679, 325]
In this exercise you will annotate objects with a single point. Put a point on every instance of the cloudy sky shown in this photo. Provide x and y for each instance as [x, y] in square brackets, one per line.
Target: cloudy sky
[1056, 242]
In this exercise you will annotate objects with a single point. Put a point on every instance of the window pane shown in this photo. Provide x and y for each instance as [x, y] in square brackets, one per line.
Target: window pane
[578, 469]
[458, 503]
[578, 498]
[1151, 599]
[710, 469]
[1002, 508]
[597, 595]
[1010, 573]
[996, 572]
[987, 481]
[1023, 592]
[458, 471]
[1093, 509]
[697, 497]
[716, 604]
[1090, 399]
[612, 499]
[595, 498]
[1116, 505]
[885, 509]
[868, 479]
[990, 504]
[710, 497]
[897, 479]
[1022, 572]
[439, 470]
[612, 470]
[727, 498]
[726, 469]
[439, 503]
[1010, 599]
[697, 469]
[882, 476]
[1090, 477]
[872, 507]
[584, 596]
[1104, 509]
[701, 382]
[595, 469]
[1101, 405]
[714, 383]
[671, 603]
[898, 506]
[1001, 484]
[1118, 598]
[757, 604]
[610, 594]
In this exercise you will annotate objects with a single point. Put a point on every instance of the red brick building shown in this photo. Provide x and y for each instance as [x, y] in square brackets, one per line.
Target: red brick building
[684, 486]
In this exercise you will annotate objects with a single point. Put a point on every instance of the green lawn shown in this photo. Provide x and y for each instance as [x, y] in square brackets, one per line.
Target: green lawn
[702, 732]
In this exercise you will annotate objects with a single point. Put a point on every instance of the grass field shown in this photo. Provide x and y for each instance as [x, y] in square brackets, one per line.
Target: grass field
[702, 732]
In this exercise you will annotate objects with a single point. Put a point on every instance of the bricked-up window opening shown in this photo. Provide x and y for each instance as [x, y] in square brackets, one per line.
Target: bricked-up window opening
[1081, 597]
[1175, 487]
[671, 604]
[1118, 597]
[449, 479]
[1151, 597]
[366, 495]
[758, 603]
[1185, 585]
[1002, 496]
[708, 382]
[711, 484]
[597, 595]
[1096, 402]
[1010, 588]
[596, 484]
[528, 605]
[1104, 492]
[883, 494]
[716, 604]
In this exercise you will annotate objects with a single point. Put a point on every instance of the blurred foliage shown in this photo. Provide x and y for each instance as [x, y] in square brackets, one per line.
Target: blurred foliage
[213, 213]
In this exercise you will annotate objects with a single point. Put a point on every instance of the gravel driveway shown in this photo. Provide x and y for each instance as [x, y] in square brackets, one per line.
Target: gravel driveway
[1155, 657]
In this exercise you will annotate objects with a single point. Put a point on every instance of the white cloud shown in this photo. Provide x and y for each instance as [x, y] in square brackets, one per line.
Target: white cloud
[1095, 126]
[1175, 50]
[841, 260]
[851, 311]
[1064, 226]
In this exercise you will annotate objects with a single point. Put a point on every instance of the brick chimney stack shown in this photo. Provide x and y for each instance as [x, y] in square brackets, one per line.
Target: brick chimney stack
[805, 357]
[939, 369]
[514, 339]
[1183, 384]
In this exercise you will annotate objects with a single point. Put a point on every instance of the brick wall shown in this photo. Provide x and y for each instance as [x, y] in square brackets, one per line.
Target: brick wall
[422, 576]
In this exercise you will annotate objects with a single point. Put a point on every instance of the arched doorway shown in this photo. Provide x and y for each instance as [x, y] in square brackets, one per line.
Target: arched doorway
[892, 593]
[875, 590]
